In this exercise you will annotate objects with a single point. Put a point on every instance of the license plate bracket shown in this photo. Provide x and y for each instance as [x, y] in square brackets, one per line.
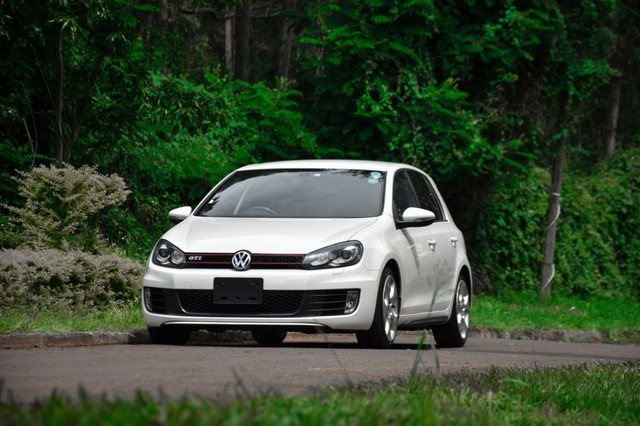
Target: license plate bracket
[237, 291]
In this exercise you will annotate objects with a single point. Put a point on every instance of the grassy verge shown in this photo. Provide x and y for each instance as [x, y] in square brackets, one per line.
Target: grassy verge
[124, 318]
[505, 313]
[560, 312]
[600, 394]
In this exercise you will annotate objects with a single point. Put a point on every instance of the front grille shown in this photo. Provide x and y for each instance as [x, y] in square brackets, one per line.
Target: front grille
[200, 302]
[274, 303]
[258, 261]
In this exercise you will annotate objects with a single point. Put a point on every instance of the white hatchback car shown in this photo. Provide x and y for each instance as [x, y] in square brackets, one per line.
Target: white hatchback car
[312, 246]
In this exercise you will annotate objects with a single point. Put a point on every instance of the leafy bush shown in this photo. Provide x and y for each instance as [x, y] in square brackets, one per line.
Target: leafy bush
[50, 279]
[506, 247]
[599, 238]
[62, 260]
[182, 137]
[63, 206]
[598, 242]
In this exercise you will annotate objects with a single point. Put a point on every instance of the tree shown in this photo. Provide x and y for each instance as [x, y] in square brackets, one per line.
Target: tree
[242, 33]
[576, 70]
[61, 48]
[626, 19]
[376, 95]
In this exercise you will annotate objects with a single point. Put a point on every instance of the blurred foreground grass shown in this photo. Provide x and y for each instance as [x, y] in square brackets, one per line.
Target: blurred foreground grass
[576, 395]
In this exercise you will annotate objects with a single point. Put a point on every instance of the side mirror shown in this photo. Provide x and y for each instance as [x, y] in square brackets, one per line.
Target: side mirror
[415, 217]
[179, 214]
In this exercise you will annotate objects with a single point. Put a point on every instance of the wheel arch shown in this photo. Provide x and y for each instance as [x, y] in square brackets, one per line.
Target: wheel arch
[465, 272]
[393, 265]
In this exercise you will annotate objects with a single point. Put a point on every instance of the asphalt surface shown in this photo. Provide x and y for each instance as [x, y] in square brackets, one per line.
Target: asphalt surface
[225, 371]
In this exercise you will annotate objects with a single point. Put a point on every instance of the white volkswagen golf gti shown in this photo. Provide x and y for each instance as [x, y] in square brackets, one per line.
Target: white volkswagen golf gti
[312, 246]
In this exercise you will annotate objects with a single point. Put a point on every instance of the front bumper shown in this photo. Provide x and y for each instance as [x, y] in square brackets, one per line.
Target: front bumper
[293, 299]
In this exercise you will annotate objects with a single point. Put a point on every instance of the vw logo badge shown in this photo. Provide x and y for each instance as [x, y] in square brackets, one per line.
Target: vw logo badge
[241, 260]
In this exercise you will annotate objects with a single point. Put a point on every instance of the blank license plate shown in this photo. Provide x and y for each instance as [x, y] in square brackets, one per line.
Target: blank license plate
[237, 291]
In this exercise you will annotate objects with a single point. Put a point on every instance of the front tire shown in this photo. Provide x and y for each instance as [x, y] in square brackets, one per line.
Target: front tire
[385, 320]
[168, 336]
[269, 336]
[453, 334]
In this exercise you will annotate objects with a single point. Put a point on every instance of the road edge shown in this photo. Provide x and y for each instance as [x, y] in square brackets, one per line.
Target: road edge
[97, 338]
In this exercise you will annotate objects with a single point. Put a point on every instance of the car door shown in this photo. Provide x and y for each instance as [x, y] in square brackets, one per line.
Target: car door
[415, 253]
[440, 268]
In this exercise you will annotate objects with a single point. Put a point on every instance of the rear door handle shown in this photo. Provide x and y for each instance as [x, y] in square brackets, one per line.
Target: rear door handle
[454, 241]
[432, 244]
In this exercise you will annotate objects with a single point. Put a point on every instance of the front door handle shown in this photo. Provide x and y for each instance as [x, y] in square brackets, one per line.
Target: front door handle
[432, 244]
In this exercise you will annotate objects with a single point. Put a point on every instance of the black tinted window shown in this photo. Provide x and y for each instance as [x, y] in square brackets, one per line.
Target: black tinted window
[403, 195]
[427, 197]
[298, 193]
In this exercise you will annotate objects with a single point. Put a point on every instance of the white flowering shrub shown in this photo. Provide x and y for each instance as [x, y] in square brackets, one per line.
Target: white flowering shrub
[63, 207]
[63, 260]
[49, 279]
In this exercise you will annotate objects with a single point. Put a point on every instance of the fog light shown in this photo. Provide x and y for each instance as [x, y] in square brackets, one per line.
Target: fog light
[147, 299]
[351, 303]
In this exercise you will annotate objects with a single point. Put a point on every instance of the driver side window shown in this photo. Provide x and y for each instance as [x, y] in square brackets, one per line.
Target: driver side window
[403, 194]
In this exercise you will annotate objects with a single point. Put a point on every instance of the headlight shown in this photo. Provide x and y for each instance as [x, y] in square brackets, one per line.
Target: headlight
[335, 256]
[166, 254]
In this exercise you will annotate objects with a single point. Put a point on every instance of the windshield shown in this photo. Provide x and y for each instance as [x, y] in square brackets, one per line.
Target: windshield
[298, 194]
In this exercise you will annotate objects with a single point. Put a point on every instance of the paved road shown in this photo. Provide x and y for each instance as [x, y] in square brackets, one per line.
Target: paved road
[225, 372]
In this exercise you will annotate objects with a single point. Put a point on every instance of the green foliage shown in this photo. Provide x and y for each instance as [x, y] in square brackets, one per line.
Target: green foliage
[50, 279]
[598, 249]
[464, 89]
[185, 136]
[198, 132]
[599, 237]
[55, 52]
[64, 206]
[506, 245]
[375, 87]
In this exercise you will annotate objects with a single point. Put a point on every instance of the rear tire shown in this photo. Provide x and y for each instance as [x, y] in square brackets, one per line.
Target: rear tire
[385, 319]
[168, 336]
[269, 336]
[453, 334]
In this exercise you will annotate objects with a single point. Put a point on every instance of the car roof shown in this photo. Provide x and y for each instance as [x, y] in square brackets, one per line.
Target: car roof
[331, 164]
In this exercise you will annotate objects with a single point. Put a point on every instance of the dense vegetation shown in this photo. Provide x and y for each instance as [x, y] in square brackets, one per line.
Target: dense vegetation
[501, 102]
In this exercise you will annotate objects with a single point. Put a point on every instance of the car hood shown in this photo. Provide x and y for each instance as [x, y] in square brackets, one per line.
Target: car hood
[258, 235]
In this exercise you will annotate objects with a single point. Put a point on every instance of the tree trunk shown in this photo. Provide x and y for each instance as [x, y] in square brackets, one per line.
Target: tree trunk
[58, 96]
[553, 214]
[242, 58]
[164, 27]
[614, 113]
[286, 40]
[228, 41]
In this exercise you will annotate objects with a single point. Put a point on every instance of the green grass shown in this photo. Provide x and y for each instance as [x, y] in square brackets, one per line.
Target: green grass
[506, 313]
[578, 395]
[560, 312]
[125, 318]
